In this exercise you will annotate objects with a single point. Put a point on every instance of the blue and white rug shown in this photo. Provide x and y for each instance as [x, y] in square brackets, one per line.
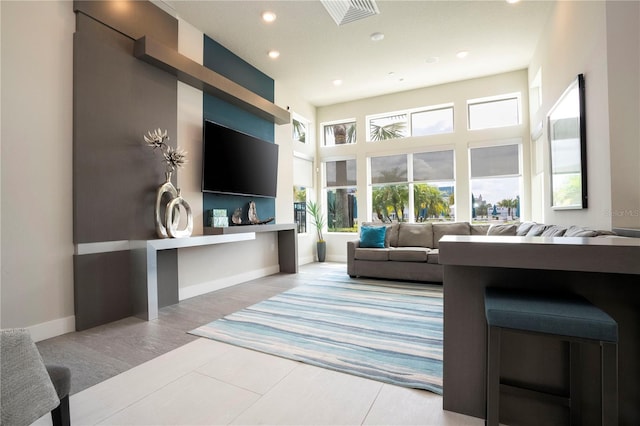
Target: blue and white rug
[386, 331]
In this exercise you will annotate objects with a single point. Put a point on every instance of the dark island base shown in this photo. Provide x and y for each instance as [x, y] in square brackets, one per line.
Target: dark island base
[536, 359]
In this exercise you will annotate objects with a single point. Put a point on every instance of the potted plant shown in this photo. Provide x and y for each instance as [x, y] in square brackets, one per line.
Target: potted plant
[318, 221]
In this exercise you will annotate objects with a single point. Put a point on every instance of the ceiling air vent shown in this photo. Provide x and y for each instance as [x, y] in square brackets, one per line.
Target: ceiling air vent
[345, 11]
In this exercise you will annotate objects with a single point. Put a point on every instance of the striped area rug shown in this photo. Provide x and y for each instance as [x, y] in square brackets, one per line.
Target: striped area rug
[382, 330]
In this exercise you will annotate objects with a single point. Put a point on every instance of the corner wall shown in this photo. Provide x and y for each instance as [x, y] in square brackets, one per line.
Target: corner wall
[623, 67]
[37, 245]
[600, 40]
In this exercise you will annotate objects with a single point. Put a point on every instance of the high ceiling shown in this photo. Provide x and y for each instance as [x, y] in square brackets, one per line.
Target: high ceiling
[421, 40]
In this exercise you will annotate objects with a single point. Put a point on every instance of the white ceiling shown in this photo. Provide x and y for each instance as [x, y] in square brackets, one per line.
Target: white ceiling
[499, 36]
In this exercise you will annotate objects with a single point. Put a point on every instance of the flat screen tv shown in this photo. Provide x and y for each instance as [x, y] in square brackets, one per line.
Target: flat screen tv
[237, 163]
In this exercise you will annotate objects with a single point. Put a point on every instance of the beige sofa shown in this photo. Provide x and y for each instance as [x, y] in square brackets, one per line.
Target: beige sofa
[411, 249]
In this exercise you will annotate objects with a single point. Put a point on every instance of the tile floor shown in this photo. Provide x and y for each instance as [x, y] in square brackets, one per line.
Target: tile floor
[210, 383]
[203, 382]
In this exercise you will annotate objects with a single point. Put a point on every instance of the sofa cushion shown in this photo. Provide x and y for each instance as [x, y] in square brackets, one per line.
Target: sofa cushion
[372, 236]
[391, 239]
[479, 229]
[554, 231]
[577, 231]
[372, 254]
[502, 229]
[432, 257]
[391, 236]
[453, 228]
[415, 235]
[524, 228]
[536, 230]
[408, 254]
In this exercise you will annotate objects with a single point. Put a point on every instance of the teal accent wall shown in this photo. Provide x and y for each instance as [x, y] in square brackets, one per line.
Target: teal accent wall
[224, 62]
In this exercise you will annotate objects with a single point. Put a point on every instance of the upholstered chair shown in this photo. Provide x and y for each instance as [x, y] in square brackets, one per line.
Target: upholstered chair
[29, 388]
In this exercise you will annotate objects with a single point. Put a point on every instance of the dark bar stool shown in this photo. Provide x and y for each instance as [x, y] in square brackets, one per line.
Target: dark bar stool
[567, 317]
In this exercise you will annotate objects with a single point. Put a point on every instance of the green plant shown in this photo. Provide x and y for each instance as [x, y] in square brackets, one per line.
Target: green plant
[317, 218]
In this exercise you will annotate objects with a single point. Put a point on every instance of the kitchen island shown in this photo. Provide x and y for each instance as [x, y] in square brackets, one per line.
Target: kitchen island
[604, 270]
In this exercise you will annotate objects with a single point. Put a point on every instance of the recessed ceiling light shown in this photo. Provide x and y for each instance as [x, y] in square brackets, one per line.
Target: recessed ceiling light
[268, 16]
[513, 1]
[432, 60]
[273, 54]
[337, 82]
[463, 54]
[377, 36]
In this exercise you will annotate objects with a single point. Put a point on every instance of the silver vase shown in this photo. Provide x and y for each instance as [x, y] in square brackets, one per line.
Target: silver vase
[164, 195]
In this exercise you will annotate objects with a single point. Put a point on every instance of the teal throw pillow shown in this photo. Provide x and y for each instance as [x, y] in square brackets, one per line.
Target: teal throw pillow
[372, 236]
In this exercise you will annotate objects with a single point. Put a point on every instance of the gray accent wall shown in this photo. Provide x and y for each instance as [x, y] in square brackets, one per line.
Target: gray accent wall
[117, 98]
[101, 288]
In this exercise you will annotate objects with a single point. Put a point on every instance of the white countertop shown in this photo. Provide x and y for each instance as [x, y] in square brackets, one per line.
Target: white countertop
[597, 254]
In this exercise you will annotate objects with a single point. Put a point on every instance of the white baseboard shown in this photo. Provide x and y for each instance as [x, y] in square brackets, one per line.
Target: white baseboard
[209, 286]
[305, 260]
[49, 329]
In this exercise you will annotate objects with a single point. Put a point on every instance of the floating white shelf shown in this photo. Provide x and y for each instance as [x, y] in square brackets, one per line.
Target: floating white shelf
[201, 77]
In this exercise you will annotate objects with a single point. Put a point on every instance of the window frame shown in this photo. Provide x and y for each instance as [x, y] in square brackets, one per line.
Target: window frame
[410, 179]
[309, 131]
[346, 121]
[326, 188]
[409, 120]
[494, 99]
[520, 175]
[299, 182]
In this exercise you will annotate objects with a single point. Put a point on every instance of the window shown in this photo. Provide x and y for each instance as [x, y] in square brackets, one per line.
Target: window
[302, 179]
[300, 208]
[389, 127]
[432, 122]
[423, 121]
[341, 193]
[418, 186]
[434, 185]
[339, 133]
[390, 188]
[391, 169]
[494, 112]
[495, 183]
[300, 128]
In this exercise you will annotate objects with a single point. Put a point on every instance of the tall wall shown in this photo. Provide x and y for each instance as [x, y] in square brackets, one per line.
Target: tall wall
[623, 69]
[37, 217]
[600, 40]
[307, 150]
[457, 93]
[37, 280]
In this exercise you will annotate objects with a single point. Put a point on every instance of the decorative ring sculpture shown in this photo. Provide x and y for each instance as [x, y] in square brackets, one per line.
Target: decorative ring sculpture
[167, 220]
[173, 208]
[169, 189]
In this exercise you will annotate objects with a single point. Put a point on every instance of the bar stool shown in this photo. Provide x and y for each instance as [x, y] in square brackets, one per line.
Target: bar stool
[567, 317]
